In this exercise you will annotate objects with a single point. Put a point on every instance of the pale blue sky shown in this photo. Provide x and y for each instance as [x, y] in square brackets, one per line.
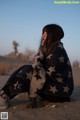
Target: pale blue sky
[23, 20]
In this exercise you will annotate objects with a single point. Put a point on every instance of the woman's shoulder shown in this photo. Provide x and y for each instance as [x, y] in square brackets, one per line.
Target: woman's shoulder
[56, 48]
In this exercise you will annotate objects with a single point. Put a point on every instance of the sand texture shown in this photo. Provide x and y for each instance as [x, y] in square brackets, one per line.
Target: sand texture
[19, 109]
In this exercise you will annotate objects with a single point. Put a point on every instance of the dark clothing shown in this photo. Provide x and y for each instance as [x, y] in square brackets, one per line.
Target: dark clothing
[52, 98]
[18, 82]
[50, 76]
[58, 73]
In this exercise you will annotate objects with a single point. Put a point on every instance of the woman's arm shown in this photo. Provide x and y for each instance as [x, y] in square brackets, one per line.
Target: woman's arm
[38, 78]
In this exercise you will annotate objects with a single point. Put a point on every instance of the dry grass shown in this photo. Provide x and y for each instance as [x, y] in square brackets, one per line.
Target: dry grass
[5, 67]
[12, 61]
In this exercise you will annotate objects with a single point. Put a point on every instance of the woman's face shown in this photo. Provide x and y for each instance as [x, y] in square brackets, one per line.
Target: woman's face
[44, 37]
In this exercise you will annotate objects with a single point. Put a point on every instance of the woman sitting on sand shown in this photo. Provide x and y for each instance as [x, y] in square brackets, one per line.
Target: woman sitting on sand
[50, 76]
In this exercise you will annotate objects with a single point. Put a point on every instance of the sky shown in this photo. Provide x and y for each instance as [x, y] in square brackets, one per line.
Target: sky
[23, 20]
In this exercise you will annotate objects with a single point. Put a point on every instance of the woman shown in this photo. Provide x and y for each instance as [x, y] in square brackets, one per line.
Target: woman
[50, 76]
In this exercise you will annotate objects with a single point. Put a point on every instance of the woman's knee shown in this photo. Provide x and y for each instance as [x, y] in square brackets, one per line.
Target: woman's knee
[27, 68]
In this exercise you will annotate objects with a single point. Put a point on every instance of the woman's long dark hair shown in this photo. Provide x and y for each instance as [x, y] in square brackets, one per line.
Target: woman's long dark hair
[54, 34]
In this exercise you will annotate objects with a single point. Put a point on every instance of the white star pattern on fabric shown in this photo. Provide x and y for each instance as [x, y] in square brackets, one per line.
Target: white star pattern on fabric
[69, 75]
[1, 92]
[36, 84]
[36, 63]
[40, 55]
[49, 56]
[50, 70]
[59, 79]
[68, 63]
[17, 85]
[66, 89]
[29, 75]
[61, 59]
[37, 57]
[42, 74]
[53, 89]
[61, 46]
[34, 76]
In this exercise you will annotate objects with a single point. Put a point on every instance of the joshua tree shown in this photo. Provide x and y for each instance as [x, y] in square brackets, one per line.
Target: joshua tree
[15, 47]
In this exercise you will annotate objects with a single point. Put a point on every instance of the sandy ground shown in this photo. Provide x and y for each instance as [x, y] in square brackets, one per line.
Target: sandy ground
[46, 111]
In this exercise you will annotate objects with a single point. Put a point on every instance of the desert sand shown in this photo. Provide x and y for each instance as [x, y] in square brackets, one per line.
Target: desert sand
[46, 110]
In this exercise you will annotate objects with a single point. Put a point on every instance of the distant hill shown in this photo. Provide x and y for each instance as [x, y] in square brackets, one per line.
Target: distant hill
[28, 57]
[11, 57]
[7, 59]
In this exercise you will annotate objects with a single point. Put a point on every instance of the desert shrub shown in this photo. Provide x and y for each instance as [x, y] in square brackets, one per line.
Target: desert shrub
[12, 62]
[4, 68]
